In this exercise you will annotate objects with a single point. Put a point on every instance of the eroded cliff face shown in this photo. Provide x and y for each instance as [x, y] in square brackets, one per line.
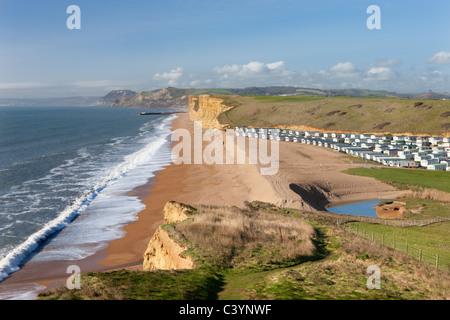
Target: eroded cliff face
[207, 109]
[175, 212]
[164, 252]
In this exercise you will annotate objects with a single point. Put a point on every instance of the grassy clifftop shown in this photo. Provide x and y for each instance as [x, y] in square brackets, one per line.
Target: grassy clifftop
[266, 252]
[371, 115]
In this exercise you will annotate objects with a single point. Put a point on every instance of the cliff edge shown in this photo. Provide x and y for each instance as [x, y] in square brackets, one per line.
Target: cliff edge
[207, 109]
[164, 252]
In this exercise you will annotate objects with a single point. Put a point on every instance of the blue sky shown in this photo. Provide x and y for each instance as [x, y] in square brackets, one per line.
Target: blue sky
[149, 44]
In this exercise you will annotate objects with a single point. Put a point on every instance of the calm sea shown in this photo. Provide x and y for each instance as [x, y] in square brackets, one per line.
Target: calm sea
[62, 163]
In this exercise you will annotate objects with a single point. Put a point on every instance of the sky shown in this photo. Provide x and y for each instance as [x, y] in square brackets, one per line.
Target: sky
[152, 44]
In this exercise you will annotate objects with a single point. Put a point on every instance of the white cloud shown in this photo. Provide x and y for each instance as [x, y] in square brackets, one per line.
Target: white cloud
[441, 57]
[227, 69]
[275, 65]
[343, 67]
[381, 73]
[173, 74]
[378, 75]
[251, 69]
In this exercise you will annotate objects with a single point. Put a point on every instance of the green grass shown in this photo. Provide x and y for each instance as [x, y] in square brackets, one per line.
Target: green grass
[364, 115]
[197, 284]
[338, 271]
[407, 178]
[288, 99]
[419, 209]
[433, 239]
[239, 283]
[340, 274]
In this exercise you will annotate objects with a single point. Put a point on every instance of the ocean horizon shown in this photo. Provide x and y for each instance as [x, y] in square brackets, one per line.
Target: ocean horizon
[65, 178]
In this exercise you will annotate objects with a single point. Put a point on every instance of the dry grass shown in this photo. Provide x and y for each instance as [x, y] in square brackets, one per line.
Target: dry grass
[260, 252]
[232, 237]
[361, 114]
[429, 194]
[399, 271]
[341, 273]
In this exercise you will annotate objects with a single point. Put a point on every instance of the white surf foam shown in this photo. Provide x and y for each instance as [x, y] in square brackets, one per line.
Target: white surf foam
[135, 169]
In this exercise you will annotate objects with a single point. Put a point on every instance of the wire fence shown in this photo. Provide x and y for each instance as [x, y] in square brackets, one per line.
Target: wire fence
[392, 223]
[398, 243]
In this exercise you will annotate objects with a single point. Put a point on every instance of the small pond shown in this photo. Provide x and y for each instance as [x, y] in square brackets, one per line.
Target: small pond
[364, 208]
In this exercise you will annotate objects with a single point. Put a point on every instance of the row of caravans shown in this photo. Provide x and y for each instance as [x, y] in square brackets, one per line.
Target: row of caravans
[432, 153]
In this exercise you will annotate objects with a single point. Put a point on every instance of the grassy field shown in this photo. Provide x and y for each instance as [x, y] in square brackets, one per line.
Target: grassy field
[420, 209]
[264, 252]
[365, 115]
[433, 240]
[286, 99]
[198, 284]
[407, 178]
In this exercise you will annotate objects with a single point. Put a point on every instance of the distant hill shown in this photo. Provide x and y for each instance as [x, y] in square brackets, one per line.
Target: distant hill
[164, 98]
[178, 97]
[425, 95]
[114, 97]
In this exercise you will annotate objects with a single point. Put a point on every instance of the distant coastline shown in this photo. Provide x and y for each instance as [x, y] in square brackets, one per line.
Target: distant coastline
[177, 97]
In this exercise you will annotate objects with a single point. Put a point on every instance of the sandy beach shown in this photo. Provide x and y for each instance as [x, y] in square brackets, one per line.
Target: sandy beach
[309, 177]
[227, 184]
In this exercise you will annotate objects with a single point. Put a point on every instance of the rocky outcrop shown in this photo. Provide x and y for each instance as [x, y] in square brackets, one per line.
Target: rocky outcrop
[163, 251]
[207, 109]
[390, 210]
[175, 212]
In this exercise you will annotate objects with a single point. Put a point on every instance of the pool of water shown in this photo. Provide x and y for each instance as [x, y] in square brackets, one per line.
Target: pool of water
[364, 208]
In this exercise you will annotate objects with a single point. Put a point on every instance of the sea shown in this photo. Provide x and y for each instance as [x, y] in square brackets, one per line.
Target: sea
[72, 169]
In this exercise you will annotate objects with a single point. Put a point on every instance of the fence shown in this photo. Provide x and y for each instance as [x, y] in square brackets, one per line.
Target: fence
[398, 243]
[392, 223]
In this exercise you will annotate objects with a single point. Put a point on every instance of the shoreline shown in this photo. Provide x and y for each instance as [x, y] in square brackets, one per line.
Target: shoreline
[234, 184]
[300, 182]
[51, 274]
[195, 184]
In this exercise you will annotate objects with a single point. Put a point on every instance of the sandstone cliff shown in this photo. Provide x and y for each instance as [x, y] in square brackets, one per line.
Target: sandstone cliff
[164, 252]
[207, 109]
[390, 210]
[175, 212]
